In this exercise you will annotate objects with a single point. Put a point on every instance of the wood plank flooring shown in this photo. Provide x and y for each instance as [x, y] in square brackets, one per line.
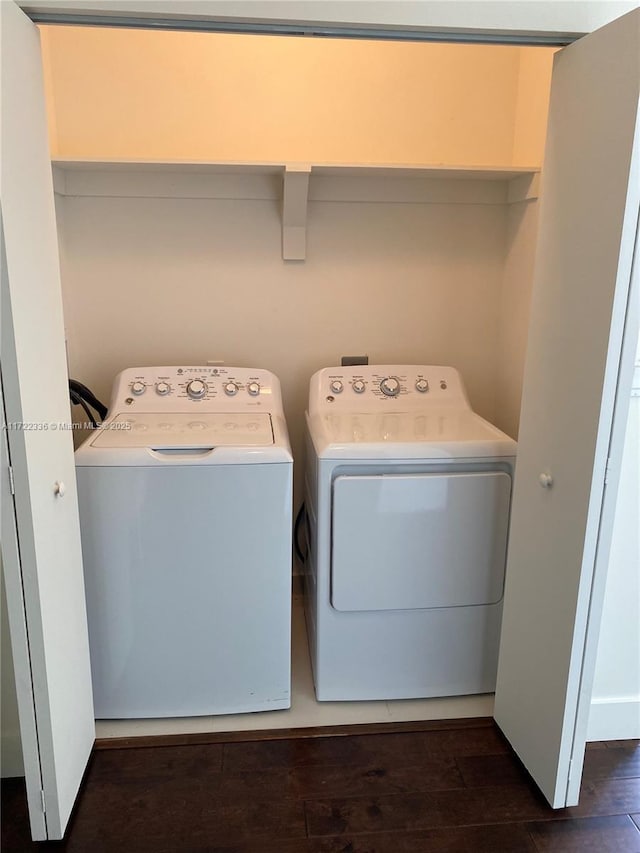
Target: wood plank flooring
[457, 789]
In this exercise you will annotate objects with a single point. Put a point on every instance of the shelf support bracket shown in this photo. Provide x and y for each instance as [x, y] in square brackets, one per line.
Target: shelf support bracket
[59, 180]
[523, 188]
[294, 212]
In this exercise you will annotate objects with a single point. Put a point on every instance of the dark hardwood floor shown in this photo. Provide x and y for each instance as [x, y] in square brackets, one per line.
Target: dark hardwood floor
[453, 789]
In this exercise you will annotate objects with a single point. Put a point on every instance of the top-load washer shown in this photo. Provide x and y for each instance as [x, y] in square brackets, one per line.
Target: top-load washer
[407, 498]
[185, 513]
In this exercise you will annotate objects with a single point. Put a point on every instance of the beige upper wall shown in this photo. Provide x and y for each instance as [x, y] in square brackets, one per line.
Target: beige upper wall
[532, 105]
[168, 95]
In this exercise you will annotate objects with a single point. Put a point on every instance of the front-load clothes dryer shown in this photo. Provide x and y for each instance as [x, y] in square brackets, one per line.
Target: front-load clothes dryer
[185, 511]
[407, 495]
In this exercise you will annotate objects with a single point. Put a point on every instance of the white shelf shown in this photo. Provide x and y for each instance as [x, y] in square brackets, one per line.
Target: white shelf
[490, 173]
[294, 185]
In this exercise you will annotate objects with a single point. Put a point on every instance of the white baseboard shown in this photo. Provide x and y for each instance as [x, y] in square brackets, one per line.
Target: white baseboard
[614, 719]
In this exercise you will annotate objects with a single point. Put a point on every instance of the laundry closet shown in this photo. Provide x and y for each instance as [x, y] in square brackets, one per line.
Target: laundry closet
[286, 201]
[264, 200]
[407, 232]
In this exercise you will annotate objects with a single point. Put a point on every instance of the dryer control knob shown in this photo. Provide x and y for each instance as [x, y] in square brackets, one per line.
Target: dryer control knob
[253, 388]
[390, 386]
[422, 385]
[138, 388]
[336, 386]
[358, 386]
[196, 389]
[230, 389]
[162, 388]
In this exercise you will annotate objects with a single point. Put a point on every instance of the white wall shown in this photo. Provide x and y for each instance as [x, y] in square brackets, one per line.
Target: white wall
[155, 281]
[514, 308]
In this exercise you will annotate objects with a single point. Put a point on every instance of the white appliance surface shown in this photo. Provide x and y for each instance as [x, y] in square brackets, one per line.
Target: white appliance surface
[179, 430]
[411, 541]
[428, 415]
[408, 496]
[439, 433]
[185, 510]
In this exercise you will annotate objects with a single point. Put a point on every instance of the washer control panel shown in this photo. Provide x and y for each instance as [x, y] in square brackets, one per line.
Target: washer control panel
[370, 388]
[175, 389]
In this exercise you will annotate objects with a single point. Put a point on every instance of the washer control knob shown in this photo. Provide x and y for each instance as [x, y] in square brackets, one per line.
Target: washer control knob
[422, 385]
[163, 388]
[253, 388]
[138, 388]
[358, 386]
[196, 389]
[390, 386]
[336, 386]
[230, 389]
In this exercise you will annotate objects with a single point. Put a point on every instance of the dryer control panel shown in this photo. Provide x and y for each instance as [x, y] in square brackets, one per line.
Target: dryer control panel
[189, 388]
[396, 387]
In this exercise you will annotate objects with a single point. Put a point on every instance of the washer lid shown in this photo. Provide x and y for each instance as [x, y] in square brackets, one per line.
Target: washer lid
[444, 433]
[175, 430]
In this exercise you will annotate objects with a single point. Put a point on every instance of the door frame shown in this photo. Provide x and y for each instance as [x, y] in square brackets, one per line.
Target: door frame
[504, 37]
[542, 23]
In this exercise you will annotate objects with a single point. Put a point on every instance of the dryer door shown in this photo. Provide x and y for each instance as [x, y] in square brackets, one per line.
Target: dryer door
[413, 541]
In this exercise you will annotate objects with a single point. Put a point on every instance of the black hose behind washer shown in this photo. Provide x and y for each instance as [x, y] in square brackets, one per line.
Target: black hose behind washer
[80, 395]
[300, 518]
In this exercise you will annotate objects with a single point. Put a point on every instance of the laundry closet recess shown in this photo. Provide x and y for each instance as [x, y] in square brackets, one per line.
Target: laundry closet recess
[230, 208]
[175, 255]
[284, 201]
